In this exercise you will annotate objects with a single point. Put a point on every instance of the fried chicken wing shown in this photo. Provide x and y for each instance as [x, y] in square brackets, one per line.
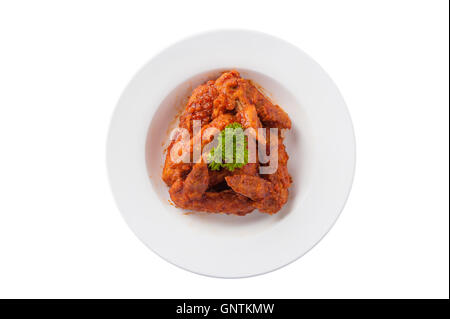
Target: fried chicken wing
[173, 171]
[270, 192]
[270, 115]
[253, 187]
[197, 182]
[280, 181]
[217, 177]
[231, 84]
[193, 187]
[199, 106]
[227, 202]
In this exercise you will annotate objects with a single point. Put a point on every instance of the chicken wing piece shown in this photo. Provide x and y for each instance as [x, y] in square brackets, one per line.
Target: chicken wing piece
[196, 182]
[225, 86]
[247, 115]
[281, 176]
[280, 181]
[199, 106]
[234, 87]
[270, 192]
[217, 177]
[193, 187]
[226, 201]
[248, 95]
[227, 83]
[253, 187]
[270, 115]
[262, 193]
[173, 171]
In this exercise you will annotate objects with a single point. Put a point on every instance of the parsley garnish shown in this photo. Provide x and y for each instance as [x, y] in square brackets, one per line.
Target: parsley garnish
[227, 157]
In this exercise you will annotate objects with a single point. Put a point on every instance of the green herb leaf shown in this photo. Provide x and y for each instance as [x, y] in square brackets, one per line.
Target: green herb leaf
[229, 157]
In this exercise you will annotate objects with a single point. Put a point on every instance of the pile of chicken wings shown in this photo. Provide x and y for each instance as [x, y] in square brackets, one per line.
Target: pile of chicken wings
[193, 186]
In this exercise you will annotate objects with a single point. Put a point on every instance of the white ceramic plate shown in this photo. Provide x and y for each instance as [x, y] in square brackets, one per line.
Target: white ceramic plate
[321, 147]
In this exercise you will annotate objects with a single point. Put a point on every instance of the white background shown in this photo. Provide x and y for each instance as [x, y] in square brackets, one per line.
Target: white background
[63, 65]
